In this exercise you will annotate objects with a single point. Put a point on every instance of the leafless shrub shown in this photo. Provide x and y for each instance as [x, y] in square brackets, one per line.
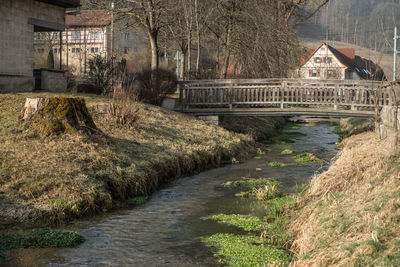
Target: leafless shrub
[156, 84]
[100, 73]
[123, 110]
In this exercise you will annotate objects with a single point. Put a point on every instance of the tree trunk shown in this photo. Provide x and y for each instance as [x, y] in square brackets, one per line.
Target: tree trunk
[155, 62]
[197, 35]
[189, 52]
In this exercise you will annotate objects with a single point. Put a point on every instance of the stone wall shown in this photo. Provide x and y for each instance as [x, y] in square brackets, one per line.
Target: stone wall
[16, 41]
[387, 124]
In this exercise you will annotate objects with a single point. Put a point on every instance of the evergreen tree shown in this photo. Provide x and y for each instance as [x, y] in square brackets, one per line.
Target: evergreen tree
[50, 60]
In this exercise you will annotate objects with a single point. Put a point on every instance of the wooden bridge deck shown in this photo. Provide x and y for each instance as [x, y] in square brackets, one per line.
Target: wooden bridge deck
[323, 98]
[279, 112]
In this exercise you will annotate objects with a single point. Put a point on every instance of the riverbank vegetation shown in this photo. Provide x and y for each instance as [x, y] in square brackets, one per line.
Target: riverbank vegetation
[39, 238]
[260, 128]
[350, 214]
[265, 243]
[46, 180]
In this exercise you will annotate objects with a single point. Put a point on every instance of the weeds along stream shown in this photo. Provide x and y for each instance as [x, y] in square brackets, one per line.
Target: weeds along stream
[189, 222]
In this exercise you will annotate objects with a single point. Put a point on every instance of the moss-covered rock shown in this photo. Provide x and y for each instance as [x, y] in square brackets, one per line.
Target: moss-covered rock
[53, 116]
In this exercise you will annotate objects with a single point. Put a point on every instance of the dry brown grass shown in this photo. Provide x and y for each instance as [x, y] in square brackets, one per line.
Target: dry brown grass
[351, 214]
[58, 178]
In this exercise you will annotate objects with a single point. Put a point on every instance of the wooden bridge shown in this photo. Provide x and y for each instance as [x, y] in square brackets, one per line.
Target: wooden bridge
[283, 97]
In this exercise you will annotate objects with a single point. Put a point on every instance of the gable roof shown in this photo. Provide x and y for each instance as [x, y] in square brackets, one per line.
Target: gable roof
[62, 3]
[87, 18]
[365, 69]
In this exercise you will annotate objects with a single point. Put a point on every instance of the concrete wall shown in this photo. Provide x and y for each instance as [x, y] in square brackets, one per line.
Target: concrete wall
[16, 38]
[53, 81]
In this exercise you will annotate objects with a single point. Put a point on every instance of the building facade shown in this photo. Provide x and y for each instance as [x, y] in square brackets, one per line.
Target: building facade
[88, 34]
[327, 62]
[19, 20]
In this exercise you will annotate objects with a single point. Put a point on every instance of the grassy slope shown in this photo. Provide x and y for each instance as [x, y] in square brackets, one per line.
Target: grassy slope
[383, 60]
[351, 214]
[261, 128]
[65, 177]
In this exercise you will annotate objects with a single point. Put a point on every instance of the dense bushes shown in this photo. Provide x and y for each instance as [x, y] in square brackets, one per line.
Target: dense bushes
[154, 85]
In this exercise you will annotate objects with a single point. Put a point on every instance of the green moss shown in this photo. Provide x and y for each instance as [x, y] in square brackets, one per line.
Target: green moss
[63, 114]
[138, 200]
[257, 157]
[277, 164]
[240, 250]
[39, 238]
[246, 222]
[306, 157]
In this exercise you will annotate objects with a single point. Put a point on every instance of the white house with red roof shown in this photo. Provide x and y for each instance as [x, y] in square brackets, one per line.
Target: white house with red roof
[326, 62]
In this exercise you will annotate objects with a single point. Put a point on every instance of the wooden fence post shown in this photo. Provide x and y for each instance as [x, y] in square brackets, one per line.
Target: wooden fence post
[335, 95]
[282, 94]
[180, 89]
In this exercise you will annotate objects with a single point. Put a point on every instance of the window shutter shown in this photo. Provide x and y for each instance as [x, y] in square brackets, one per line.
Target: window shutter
[318, 73]
[310, 73]
[315, 60]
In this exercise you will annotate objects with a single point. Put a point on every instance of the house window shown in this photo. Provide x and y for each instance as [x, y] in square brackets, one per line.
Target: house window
[56, 36]
[55, 50]
[328, 60]
[126, 50]
[330, 74]
[314, 73]
[73, 50]
[78, 50]
[96, 49]
[127, 36]
[92, 49]
[318, 60]
[75, 35]
[95, 35]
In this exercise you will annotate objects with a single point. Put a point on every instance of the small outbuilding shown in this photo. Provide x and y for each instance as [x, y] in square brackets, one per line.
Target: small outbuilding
[19, 20]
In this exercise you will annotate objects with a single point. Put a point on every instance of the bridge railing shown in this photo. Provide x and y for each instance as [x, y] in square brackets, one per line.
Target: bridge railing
[283, 92]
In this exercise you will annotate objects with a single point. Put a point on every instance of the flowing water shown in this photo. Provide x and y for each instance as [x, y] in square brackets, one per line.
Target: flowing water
[166, 230]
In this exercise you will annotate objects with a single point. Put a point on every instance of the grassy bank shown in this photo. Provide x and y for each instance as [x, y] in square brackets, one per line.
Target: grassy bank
[260, 128]
[351, 126]
[54, 179]
[350, 215]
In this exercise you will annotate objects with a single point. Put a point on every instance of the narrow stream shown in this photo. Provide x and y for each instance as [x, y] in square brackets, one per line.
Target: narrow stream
[166, 230]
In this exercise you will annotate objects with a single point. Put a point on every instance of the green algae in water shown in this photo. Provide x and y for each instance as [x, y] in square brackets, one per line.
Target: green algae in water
[257, 157]
[137, 200]
[39, 238]
[246, 222]
[287, 152]
[287, 137]
[251, 183]
[277, 164]
[241, 250]
[306, 157]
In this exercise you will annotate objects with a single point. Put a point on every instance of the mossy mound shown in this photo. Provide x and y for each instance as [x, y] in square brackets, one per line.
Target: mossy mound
[57, 115]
